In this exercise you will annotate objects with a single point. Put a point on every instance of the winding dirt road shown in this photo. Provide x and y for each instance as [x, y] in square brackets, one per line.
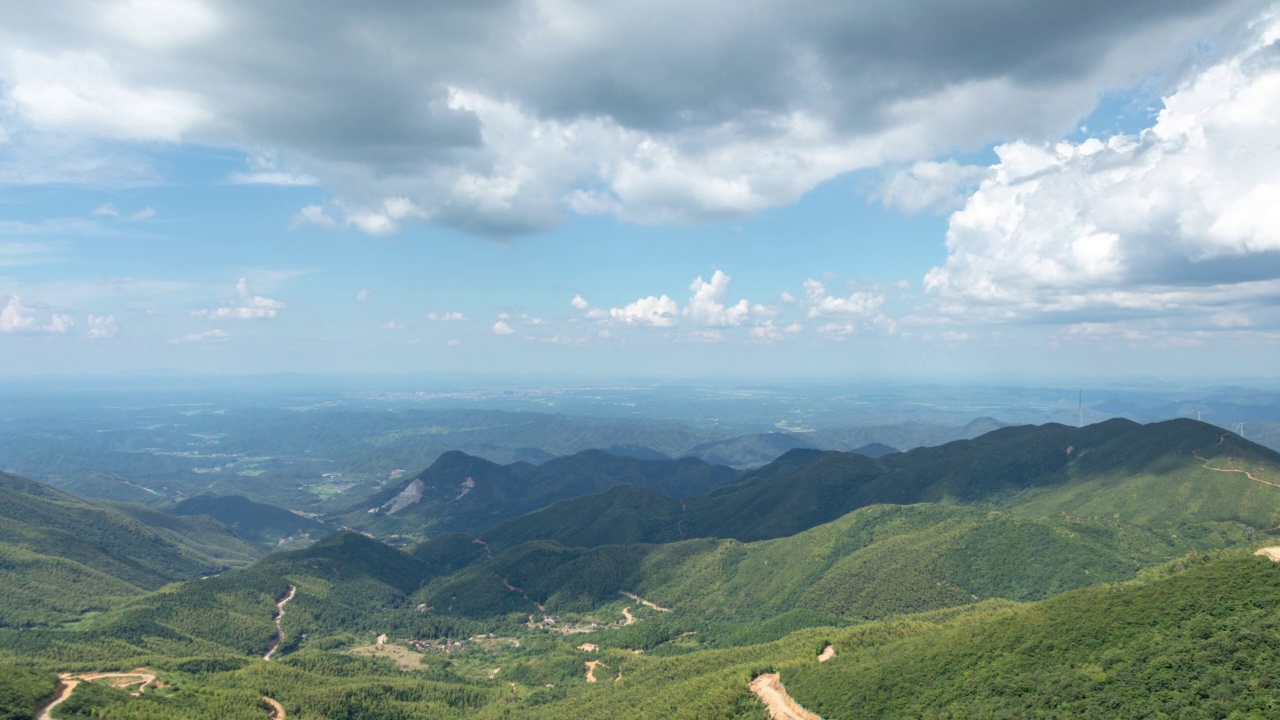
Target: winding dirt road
[781, 707]
[275, 711]
[1246, 473]
[275, 644]
[67, 684]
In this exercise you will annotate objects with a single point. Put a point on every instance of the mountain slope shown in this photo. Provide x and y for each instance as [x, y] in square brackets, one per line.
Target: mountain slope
[464, 493]
[253, 521]
[64, 556]
[1195, 644]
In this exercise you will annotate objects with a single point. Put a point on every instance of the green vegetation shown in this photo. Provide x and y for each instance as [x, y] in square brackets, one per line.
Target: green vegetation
[253, 521]
[22, 689]
[1009, 577]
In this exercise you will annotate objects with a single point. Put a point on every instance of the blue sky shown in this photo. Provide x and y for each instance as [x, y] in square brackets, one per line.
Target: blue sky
[843, 190]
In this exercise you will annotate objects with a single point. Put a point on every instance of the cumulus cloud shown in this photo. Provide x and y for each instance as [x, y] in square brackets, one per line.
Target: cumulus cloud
[214, 335]
[1179, 218]
[819, 304]
[652, 311]
[765, 334]
[18, 318]
[313, 215]
[497, 118]
[930, 186]
[708, 305]
[502, 327]
[446, 317]
[102, 327]
[245, 306]
[393, 325]
[363, 295]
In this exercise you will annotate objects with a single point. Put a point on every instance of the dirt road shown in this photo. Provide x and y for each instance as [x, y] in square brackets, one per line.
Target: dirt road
[781, 707]
[275, 711]
[643, 602]
[591, 669]
[275, 644]
[628, 618]
[67, 683]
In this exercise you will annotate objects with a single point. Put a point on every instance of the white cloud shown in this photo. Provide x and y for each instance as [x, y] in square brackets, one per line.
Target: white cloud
[765, 311]
[502, 328]
[18, 318]
[313, 215]
[579, 303]
[144, 214]
[214, 335]
[393, 325]
[703, 336]
[106, 210]
[836, 331]
[819, 304]
[453, 342]
[1179, 218]
[102, 327]
[527, 319]
[497, 118]
[765, 334]
[363, 295]
[273, 177]
[708, 307]
[652, 311]
[446, 317]
[245, 306]
[930, 186]
[794, 327]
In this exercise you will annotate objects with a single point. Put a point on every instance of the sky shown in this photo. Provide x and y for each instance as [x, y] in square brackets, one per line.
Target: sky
[925, 189]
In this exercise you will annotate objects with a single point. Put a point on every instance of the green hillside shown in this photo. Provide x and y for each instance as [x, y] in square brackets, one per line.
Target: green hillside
[1198, 643]
[253, 521]
[63, 556]
[872, 563]
[462, 493]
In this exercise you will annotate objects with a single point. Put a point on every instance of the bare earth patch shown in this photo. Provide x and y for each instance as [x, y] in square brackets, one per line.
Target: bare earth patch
[68, 682]
[1271, 553]
[781, 707]
[404, 658]
[828, 652]
[591, 669]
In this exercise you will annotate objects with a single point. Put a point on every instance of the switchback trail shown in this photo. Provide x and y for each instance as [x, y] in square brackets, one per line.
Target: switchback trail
[275, 644]
[67, 683]
[781, 707]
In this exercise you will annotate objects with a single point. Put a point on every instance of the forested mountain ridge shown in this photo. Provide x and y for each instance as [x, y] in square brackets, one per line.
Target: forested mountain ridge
[256, 522]
[64, 556]
[460, 492]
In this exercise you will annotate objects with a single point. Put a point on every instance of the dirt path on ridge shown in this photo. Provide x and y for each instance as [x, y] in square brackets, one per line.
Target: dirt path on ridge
[781, 707]
[275, 711]
[275, 644]
[628, 618]
[1246, 473]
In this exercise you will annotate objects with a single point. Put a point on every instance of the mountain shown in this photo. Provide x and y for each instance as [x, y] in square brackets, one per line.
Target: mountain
[253, 521]
[873, 562]
[460, 492]
[1191, 642]
[750, 451]
[64, 556]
